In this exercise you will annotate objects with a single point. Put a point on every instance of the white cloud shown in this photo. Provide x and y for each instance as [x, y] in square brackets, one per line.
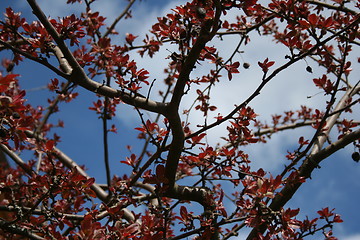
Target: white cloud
[287, 91]
[139, 25]
[56, 9]
[351, 237]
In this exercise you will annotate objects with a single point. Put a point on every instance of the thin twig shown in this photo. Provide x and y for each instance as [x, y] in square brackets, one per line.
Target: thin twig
[105, 116]
[113, 25]
[267, 79]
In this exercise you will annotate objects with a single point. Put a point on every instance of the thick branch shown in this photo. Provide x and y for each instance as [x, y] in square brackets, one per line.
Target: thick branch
[207, 32]
[172, 114]
[309, 165]
[271, 76]
[189, 63]
[16, 159]
[78, 76]
[54, 34]
[330, 122]
[196, 194]
[19, 230]
[69, 163]
[313, 160]
[305, 171]
[176, 146]
[12, 47]
[100, 193]
[329, 6]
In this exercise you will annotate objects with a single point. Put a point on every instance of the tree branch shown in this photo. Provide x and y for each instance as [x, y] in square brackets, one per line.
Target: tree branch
[6, 45]
[309, 165]
[271, 76]
[55, 35]
[100, 193]
[305, 171]
[19, 230]
[207, 32]
[78, 76]
[16, 159]
[313, 160]
[329, 6]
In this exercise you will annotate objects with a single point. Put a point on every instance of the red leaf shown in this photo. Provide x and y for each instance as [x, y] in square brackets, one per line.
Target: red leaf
[160, 171]
[89, 182]
[130, 38]
[193, 158]
[328, 22]
[266, 64]
[325, 213]
[77, 176]
[337, 219]
[184, 213]
[304, 23]
[141, 130]
[49, 146]
[197, 139]
[313, 19]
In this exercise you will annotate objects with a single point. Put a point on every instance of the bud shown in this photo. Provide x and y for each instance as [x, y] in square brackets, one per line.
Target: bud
[201, 12]
[246, 65]
[10, 67]
[355, 156]
[309, 69]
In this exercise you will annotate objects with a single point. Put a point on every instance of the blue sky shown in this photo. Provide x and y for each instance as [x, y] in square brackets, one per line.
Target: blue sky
[335, 185]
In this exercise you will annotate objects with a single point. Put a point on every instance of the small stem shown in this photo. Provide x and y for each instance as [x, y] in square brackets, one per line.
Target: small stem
[105, 137]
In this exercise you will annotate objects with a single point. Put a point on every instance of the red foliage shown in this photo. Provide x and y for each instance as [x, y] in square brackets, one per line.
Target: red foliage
[47, 195]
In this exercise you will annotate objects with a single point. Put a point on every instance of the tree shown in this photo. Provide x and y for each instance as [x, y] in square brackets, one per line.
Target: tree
[48, 195]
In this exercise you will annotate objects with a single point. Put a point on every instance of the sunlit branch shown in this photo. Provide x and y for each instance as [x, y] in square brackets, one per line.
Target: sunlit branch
[68, 162]
[309, 165]
[149, 188]
[329, 6]
[16, 159]
[280, 128]
[6, 45]
[78, 76]
[55, 35]
[313, 160]
[329, 117]
[330, 122]
[100, 193]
